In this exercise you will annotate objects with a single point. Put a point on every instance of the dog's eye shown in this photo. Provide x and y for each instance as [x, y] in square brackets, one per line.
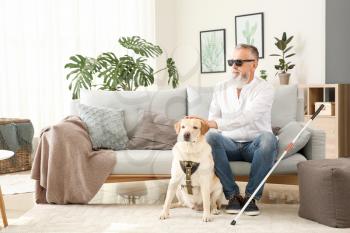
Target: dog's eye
[183, 126]
[195, 127]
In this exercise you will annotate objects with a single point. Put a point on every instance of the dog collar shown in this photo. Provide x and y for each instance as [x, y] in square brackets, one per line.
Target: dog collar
[189, 167]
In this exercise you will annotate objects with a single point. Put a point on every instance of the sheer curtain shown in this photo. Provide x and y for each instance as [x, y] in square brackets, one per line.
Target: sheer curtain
[37, 38]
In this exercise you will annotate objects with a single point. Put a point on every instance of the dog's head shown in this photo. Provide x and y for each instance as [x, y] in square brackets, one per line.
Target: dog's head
[190, 130]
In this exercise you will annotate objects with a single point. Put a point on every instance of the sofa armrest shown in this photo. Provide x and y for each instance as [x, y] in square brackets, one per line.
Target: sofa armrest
[316, 147]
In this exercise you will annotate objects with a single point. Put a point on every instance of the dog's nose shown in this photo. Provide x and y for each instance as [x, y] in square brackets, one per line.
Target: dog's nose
[187, 136]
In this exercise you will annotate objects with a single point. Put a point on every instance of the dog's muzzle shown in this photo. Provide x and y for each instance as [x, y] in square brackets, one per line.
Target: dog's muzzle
[187, 136]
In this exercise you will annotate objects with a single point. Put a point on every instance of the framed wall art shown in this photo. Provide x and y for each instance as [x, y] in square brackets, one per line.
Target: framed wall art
[249, 29]
[213, 51]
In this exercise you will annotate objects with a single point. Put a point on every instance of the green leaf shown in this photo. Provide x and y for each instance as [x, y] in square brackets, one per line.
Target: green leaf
[275, 55]
[289, 48]
[284, 36]
[71, 73]
[71, 66]
[289, 39]
[290, 55]
[81, 74]
[291, 67]
[284, 45]
[279, 45]
[140, 46]
[172, 72]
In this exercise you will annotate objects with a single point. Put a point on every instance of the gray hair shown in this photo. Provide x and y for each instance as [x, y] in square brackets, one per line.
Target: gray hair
[253, 50]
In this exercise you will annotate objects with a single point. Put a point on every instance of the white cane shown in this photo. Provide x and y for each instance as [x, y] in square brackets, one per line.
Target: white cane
[275, 165]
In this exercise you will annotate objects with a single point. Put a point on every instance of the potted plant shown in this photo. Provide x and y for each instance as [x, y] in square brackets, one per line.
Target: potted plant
[283, 66]
[263, 74]
[118, 73]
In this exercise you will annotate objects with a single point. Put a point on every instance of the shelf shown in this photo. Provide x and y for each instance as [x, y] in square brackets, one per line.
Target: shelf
[321, 116]
[336, 125]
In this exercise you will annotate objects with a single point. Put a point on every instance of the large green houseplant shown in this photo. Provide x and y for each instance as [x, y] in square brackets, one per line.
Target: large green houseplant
[284, 65]
[118, 73]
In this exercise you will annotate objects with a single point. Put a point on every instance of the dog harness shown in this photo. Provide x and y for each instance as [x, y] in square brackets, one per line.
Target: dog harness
[189, 167]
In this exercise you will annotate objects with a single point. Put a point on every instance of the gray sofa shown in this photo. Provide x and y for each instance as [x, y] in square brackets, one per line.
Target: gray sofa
[176, 103]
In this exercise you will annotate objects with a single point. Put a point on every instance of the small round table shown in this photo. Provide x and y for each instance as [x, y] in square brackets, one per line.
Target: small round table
[4, 154]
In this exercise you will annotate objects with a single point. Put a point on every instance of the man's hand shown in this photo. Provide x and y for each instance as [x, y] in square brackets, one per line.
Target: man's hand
[211, 124]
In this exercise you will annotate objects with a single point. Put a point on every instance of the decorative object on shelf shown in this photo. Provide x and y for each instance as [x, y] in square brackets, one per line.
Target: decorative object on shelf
[119, 73]
[16, 135]
[249, 29]
[213, 51]
[283, 66]
[263, 74]
[328, 109]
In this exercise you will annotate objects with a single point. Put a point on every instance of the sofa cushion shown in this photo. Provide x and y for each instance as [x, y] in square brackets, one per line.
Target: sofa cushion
[286, 136]
[140, 162]
[286, 166]
[105, 125]
[199, 100]
[153, 132]
[284, 107]
[172, 103]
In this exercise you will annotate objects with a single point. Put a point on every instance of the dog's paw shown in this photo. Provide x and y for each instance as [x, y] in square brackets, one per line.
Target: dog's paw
[164, 215]
[216, 211]
[207, 218]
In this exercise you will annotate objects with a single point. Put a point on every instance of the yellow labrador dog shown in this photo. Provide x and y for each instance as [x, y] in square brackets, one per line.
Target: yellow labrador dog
[192, 173]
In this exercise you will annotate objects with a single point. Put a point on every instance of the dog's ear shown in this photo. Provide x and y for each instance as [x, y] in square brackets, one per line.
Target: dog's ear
[177, 127]
[204, 127]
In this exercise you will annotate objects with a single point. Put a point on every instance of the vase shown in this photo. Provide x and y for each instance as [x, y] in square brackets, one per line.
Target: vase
[284, 78]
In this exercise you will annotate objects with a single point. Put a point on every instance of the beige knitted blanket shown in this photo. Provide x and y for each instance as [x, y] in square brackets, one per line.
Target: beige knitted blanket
[65, 167]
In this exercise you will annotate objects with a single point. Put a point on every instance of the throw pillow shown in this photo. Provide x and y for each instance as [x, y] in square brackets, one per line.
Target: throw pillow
[105, 125]
[153, 132]
[285, 95]
[199, 100]
[287, 134]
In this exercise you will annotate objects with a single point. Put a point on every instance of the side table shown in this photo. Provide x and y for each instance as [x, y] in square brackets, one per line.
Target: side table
[4, 154]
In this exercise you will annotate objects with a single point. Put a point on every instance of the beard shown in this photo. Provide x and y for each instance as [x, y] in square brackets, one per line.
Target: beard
[240, 80]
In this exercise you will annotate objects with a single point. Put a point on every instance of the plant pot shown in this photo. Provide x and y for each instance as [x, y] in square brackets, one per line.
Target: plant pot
[284, 78]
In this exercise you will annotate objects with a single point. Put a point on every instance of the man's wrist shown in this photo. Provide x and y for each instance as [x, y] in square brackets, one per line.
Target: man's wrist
[212, 124]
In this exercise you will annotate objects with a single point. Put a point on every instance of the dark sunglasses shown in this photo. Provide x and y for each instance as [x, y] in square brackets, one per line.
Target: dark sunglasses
[238, 62]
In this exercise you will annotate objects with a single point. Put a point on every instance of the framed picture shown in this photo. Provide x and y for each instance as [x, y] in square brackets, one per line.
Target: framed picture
[249, 29]
[213, 51]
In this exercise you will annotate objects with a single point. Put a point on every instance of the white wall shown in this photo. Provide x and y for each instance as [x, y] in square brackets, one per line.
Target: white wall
[180, 21]
[165, 30]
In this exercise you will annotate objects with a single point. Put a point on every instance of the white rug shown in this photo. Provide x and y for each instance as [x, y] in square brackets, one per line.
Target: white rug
[275, 218]
[14, 184]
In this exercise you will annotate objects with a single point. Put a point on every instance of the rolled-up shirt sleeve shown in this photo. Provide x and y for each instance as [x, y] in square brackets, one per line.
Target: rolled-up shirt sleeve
[261, 104]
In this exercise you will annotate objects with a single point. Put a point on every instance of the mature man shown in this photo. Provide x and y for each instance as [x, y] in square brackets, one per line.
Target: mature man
[241, 111]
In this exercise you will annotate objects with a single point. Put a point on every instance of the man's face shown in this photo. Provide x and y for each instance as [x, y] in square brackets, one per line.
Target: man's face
[245, 73]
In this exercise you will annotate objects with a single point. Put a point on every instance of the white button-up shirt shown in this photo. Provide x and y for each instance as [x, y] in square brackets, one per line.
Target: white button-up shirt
[243, 118]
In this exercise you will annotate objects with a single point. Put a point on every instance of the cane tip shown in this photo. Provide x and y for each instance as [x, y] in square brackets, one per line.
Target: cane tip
[233, 222]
